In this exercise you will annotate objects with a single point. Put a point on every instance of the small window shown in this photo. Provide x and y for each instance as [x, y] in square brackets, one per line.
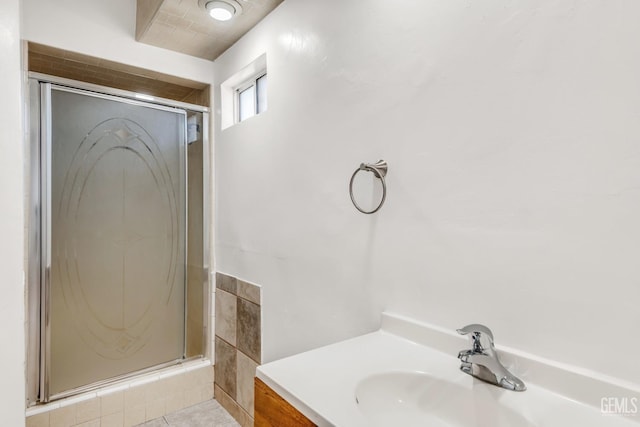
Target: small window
[251, 98]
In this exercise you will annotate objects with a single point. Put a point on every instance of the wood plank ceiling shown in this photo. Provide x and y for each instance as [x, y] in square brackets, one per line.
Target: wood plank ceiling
[70, 65]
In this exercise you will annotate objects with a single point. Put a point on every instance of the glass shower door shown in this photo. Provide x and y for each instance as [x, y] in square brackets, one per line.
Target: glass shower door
[115, 242]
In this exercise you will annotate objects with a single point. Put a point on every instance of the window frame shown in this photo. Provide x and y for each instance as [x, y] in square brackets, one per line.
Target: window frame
[253, 81]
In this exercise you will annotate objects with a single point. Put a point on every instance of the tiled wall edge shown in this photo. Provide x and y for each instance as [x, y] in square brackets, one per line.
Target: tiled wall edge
[241, 290]
[142, 379]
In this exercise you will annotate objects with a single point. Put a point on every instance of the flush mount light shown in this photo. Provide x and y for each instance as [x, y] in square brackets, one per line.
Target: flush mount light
[221, 10]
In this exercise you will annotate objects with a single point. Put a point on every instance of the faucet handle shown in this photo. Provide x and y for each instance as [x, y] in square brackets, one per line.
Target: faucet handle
[481, 336]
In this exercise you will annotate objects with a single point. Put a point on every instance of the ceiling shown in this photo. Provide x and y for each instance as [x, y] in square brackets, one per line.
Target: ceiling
[183, 26]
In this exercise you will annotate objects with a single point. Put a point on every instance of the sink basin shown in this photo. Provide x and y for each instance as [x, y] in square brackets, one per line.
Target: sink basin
[419, 399]
[407, 375]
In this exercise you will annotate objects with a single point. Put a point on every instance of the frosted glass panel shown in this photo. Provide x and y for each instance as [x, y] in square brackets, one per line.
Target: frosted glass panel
[247, 100]
[118, 238]
[261, 84]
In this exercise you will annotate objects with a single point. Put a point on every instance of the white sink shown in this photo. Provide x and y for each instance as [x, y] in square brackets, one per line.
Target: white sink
[419, 399]
[407, 374]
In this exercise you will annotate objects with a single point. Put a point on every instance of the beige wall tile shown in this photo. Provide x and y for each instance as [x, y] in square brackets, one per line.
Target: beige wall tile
[112, 420]
[244, 389]
[155, 391]
[234, 377]
[202, 376]
[248, 329]
[206, 392]
[155, 409]
[227, 283]
[40, 420]
[249, 291]
[192, 396]
[226, 366]
[88, 410]
[134, 416]
[236, 411]
[92, 423]
[176, 384]
[174, 402]
[134, 405]
[134, 397]
[227, 402]
[112, 403]
[208, 376]
[245, 420]
[226, 306]
[193, 378]
[63, 417]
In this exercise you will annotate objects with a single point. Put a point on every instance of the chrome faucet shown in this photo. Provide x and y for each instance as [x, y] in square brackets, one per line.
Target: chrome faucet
[482, 360]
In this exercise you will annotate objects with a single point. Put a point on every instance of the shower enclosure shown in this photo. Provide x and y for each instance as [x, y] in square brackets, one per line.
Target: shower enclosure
[118, 278]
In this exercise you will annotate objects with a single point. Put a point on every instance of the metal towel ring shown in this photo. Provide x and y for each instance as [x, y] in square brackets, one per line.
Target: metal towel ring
[379, 169]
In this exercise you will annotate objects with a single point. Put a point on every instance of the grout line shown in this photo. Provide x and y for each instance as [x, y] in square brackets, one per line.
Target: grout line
[248, 300]
[112, 389]
[77, 399]
[35, 410]
[248, 357]
[225, 341]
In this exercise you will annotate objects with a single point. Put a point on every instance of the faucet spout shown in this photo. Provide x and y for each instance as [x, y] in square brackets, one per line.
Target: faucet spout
[490, 369]
[482, 362]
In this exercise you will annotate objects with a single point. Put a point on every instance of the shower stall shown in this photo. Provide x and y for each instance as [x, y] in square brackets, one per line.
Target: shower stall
[118, 262]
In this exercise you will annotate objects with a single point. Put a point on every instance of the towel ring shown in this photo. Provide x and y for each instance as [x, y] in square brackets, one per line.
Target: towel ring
[379, 170]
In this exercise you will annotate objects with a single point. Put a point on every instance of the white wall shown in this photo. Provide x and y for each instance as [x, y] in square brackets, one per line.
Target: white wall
[512, 132]
[105, 29]
[12, 335]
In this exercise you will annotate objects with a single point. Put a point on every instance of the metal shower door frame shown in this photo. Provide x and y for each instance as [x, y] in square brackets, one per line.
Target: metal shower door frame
[39, 234]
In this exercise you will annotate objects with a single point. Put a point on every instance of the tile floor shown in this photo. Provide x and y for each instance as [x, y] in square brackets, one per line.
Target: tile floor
[205, 414]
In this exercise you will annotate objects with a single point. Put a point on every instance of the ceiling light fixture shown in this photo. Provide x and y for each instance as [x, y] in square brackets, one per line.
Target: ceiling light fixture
[221, 10]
